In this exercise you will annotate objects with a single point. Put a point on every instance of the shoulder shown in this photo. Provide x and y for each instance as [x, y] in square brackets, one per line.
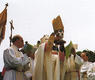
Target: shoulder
[9, 50]
[41, 47]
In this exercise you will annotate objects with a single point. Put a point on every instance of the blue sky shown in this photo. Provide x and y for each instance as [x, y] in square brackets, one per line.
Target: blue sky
[33, 18]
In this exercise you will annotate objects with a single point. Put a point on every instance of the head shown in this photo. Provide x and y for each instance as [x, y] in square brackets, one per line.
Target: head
[84, 56]
[30, 54]
[59, 34]
[17, 40]
[38, 43]
[29, 50]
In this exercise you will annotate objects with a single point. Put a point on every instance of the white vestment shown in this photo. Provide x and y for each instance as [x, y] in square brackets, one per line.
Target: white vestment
[14, 62]
[83, 70]
[78, 60]
[72, 67]
[46, 65]
[30, 71]
[91, 72]
[62, 69]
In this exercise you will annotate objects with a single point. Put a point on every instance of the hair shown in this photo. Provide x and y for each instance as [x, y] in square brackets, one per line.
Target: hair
[15, 38]
[38, 42]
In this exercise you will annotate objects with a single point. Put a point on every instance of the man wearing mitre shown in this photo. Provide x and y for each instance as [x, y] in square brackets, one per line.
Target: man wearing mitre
[47, 65]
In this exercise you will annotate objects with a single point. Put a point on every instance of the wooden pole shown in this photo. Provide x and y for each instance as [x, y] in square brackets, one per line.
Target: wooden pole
[11, 28]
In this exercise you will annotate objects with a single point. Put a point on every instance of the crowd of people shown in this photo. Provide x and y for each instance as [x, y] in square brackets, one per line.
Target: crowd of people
[47, 60]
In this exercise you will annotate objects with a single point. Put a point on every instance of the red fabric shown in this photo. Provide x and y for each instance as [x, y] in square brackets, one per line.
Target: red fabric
[54, 52]
[3, 71]
[45, 47]
[62, 56]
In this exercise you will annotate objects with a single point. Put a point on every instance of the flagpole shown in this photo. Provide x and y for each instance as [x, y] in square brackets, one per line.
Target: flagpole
[6, 5]
[11, 28]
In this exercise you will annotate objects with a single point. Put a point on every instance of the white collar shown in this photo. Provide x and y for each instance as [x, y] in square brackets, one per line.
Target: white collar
[14, 47]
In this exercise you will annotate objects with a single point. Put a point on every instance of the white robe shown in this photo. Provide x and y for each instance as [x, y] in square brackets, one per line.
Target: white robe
[78, 60]
[30, 71]
[83, 70]
[72, 67]
[91, 72]
[62, 69]
[46, 66]
[14, 62]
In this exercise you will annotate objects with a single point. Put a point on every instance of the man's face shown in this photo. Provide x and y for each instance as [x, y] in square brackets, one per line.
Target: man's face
[20, 43]
[59, 34]
[84, 57]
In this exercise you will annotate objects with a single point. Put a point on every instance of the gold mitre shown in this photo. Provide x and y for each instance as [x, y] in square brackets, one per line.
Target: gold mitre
[57, 24]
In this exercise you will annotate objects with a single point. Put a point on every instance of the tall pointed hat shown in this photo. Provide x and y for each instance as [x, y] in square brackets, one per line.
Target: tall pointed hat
[57, 24]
